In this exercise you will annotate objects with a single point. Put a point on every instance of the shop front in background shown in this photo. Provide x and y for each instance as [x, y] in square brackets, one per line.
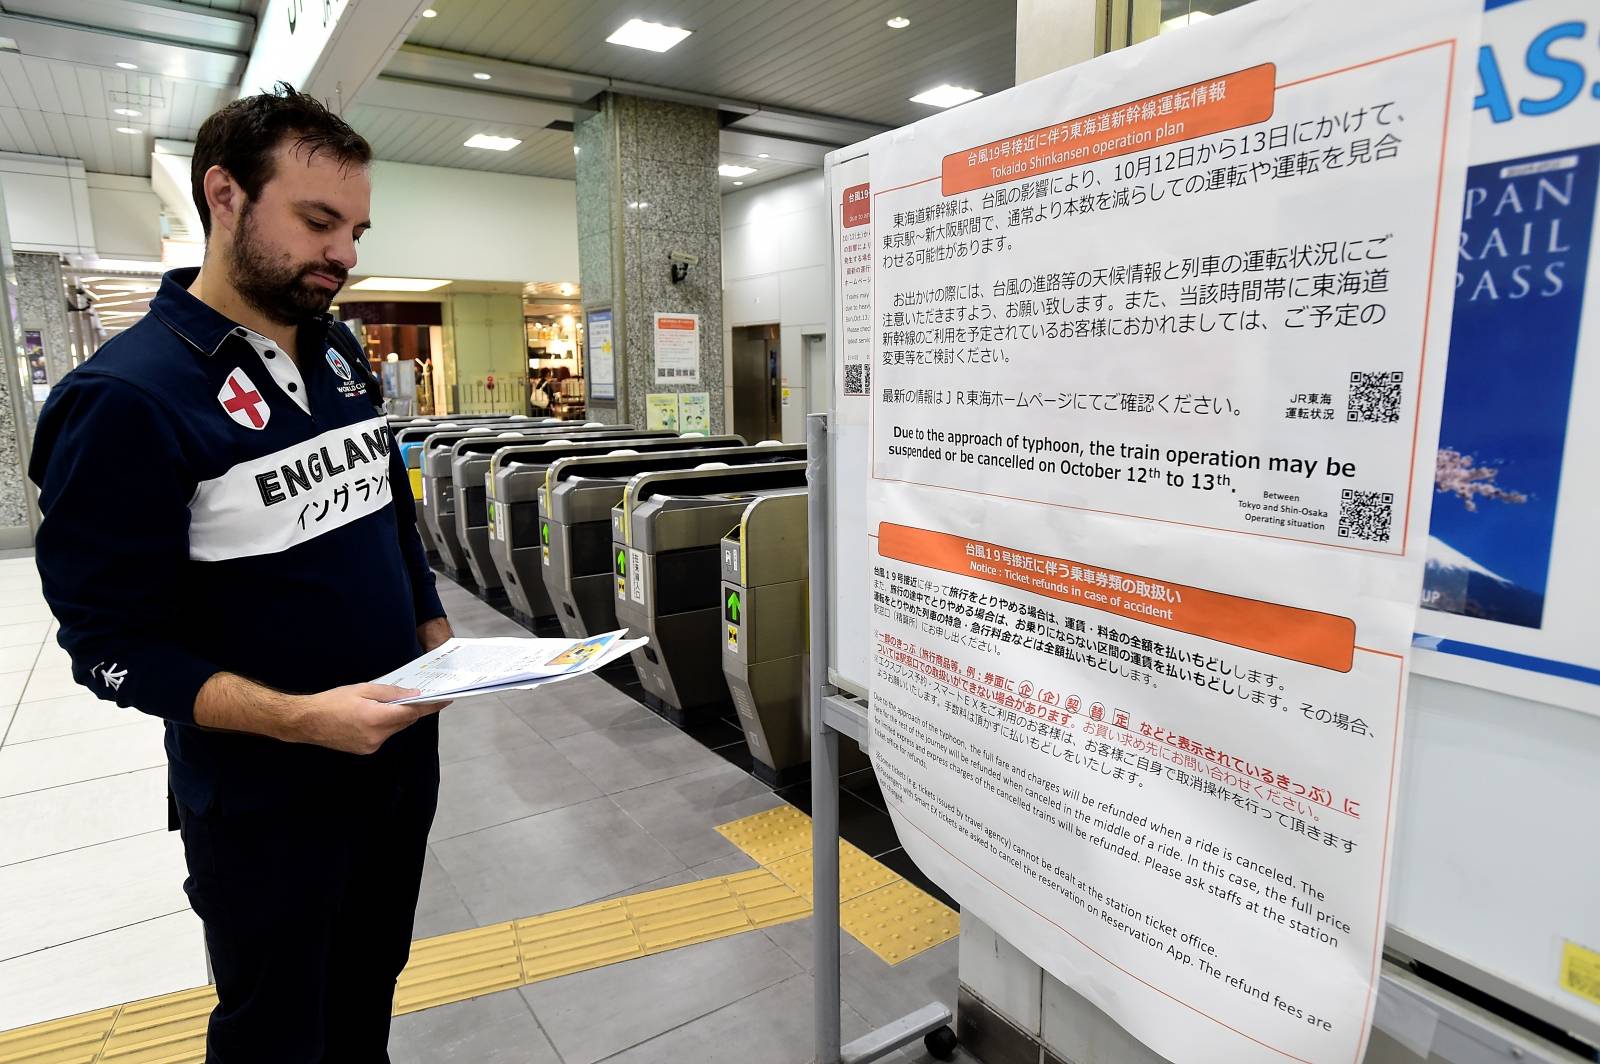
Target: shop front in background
[405, 348]
[555, 364]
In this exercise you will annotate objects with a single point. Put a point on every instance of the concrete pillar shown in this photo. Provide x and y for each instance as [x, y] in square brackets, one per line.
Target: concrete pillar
[647, 187]
[16, 499]
[42, 305]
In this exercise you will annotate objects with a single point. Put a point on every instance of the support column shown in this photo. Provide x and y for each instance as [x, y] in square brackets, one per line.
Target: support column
[647, 188]
[42, 306]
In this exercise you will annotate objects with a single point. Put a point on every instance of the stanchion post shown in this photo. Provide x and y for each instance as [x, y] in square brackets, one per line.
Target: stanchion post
[824, 756]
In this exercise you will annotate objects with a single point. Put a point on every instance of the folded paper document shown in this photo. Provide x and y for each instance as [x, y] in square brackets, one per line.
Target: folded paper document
[463, 668]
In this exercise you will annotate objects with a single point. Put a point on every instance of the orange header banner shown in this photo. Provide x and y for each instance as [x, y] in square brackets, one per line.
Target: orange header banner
[675, 323]
[1321, 639]
[1242, 98]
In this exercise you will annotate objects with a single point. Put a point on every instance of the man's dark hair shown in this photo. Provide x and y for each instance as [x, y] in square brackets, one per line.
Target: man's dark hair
[242, 137]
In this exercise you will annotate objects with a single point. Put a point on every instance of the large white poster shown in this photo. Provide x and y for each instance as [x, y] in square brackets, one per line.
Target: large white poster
[1158, 361]
[1512, 577]
[677, 348]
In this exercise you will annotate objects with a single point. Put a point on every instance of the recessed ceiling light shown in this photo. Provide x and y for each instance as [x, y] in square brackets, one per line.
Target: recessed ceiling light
[899, 22]
[651, 36]
[481, 76]
[576, 149]
[125, 112]
[730, 170]
[763, 155]
[738, 182]
[127, 66]
[9, 44]
[129, 130]
[398, 284]
[430, 13]
[484, 140]
[946, 96]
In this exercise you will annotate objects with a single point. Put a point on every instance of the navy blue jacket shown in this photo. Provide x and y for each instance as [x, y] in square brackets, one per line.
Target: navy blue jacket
[210, 506]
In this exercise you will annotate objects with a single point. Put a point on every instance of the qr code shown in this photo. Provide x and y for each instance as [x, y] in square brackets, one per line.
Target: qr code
[1366, 515]
[1375, 397]
[858, 379]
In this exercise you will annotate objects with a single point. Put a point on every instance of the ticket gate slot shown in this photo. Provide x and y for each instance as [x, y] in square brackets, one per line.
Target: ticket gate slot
[575, 525]
[470, 461]
[666, 544]
[514, 483]
[438, 489]
[764, 634]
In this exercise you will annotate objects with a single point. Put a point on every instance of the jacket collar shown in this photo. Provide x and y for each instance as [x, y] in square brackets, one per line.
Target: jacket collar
[202, 327]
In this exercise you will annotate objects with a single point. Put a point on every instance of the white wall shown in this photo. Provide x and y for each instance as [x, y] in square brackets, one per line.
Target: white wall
[47, 203]
[775, 269]
[127, 217]
[466, 225]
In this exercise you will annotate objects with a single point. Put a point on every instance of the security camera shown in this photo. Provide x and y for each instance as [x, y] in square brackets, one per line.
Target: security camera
[681, 261]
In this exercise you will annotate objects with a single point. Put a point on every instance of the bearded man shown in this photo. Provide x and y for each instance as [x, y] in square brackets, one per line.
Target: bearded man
[222, 549]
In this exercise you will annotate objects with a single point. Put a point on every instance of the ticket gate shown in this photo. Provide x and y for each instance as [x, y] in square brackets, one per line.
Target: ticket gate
[470, 463]
[438, 490]
[764, 633]
[516, 481]
[666, 541]
[575, 506]
[409, 433]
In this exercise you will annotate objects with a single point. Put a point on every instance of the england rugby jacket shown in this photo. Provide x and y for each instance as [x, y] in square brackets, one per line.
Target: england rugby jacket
[210, 506]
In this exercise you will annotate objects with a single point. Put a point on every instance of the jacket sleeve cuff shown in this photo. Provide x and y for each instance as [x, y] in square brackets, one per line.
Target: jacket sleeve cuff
[425, 601]
[163, 684]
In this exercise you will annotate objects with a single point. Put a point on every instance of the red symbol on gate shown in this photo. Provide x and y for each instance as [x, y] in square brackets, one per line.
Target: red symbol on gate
[243, 402]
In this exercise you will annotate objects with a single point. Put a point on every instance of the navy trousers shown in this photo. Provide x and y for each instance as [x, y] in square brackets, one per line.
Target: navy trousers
[308, 912]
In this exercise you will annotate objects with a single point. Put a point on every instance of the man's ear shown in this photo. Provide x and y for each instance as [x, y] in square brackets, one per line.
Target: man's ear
[224, 197]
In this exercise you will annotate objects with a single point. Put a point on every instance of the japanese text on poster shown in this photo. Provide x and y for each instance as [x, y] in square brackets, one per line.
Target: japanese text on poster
[677, 349]
[1158, 364]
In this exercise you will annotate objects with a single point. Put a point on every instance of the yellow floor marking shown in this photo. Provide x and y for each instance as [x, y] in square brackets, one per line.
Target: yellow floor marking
[899, 921]
[458, 966]
[891, 917]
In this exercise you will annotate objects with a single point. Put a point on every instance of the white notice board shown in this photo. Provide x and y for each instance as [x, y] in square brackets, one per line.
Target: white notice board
[1465, 865]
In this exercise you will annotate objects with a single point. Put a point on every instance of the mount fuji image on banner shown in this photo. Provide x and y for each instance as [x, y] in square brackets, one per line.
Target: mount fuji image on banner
[1514, 344]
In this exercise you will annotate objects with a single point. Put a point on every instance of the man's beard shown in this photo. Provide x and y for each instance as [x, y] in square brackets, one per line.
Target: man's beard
[280, 292]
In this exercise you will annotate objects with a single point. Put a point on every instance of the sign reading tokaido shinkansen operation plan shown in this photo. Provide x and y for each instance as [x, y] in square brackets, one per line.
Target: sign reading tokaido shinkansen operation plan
[1157, 355]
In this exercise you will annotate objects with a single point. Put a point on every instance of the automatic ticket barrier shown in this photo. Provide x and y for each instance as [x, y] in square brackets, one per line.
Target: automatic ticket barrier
[764, 633]
[470, 464]
[438, 488]
[578, 564]
[667, 544]
[515, 482]
[409, 434]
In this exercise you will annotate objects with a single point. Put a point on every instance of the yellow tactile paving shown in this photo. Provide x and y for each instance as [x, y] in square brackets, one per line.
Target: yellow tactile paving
[74, 1040]
[772, 835]
[166, 1030]
[459, 966]
[891, 917]
[899, 921]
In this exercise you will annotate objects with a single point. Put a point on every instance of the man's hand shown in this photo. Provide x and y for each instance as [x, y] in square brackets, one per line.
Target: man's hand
[359, 718]
[356, 719]
[433, 634]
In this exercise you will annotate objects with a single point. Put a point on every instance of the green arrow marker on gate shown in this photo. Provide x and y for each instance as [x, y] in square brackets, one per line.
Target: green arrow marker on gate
[733, 606]
[544, 533]
[622, 561]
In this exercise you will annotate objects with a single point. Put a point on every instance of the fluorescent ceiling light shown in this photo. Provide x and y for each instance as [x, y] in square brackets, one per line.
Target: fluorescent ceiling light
[730, 170]
[946, 96]
[763, 155]
[481, 76]
[125, 112]
[576, 149]
[397, 284]
[8, 44]
[430, 13]
[738, 182]
[899, 22]
[1177, 22]
[484, 140]
[127, 66]
[128, 130]
[651, 36]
